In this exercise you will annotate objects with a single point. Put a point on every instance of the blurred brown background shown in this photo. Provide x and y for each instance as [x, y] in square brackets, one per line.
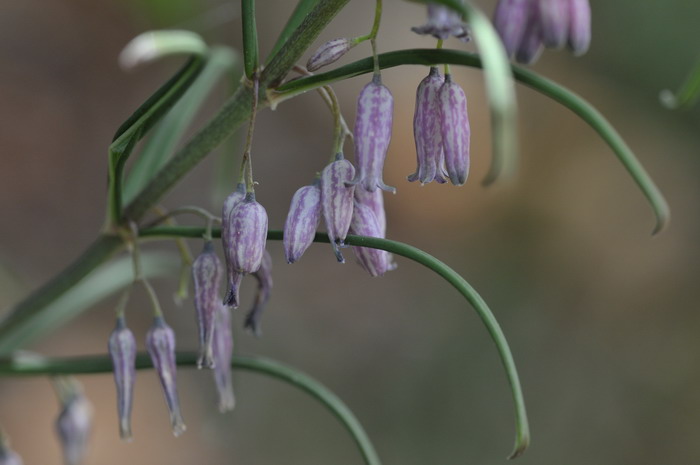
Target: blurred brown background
[602, 318]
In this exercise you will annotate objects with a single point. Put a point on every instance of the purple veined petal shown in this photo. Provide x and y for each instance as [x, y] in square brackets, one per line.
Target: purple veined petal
[373, 124]
[554, 21]
[337, 201]
[455, 131]
[264, 277]
[443, 22]
[511, 19]
[426, 128]
[248, 226]
[375, 201]
[73, 426]
[223, 354]
[580, 26]
[206, 274]
[531, 45]
[234, 285]
[160, 342]
[226, 240]
[122, 350]
[329, 52]
[364, 223]
[302, 221]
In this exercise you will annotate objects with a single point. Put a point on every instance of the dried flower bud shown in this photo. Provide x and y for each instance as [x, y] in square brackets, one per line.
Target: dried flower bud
[248, 233]
[373, 121]
[329, 53]
[511, 20]
[160, 342]
[455, 130]
[7, 455]
[122, 349]
[426, 130]
[554, 20]
[73, 426]
[336, 201]
[580, 26]
[206, 273]
[375, 201]
[443, 22]
[264, 277]
[364, 223]
[223, 353]
[302, 221]
[233, 277]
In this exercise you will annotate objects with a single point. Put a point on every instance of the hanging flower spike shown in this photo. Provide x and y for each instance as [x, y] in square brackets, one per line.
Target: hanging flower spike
[160, 342]
[264, 277]
[329, 52]
[302, 221]
[426, 130]
[511, 20]
[364, 223]
[7, 455]
[248, 226]
[223, 354]
[373, 121]
[206, 274]
[580, 26]
[375, 201]
[233, 277]
[554, 19]
[122, 350]
[454, 123]
[73, 426]
[443, 22]
[336, 201]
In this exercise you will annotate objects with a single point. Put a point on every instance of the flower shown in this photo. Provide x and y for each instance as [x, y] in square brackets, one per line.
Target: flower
[7, 455]
[122, 350]
[264, 277]
[302, 221]
[233, 277]
[454, 126]
[336, 201]
[426, 130]
[247, 235]
[329, 53]
[443, 22]
[160, 342]
[206, 274]
[375, 201]
[511, 19]
[73, 424]
[364, 223]
[223, 353]
[373, 120]
[580, 26]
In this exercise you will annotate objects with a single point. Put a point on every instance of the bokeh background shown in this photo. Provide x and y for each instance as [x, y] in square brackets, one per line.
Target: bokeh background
[602, 318]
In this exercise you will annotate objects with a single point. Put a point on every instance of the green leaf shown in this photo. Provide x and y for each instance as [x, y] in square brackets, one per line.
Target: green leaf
[250, 38]
[302, 9]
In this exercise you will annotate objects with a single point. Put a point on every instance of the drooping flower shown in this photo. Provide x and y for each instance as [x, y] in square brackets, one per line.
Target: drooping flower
[531, 44]
[426, 130]
[223, 353]
[443, 22]
[580, 26]
[336, 201]
[364, 223]
[454, 124]
[375, 201]
[302, 221]
[511, 20]
[122, 350]
[248, 234]
[74, 424]
[264, 277]
[206, 273]
[373, 121]
[329, 52]
[160, 342]
[554, 21]
[233, 277]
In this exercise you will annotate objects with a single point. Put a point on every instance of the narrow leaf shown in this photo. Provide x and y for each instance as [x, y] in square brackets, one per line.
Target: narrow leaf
[250, 38]
[302, 9]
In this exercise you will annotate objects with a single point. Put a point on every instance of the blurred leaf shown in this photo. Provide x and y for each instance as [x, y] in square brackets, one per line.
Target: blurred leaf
[302, 9]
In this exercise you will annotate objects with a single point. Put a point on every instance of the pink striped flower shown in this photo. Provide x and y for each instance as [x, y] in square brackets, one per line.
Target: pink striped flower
[206, 273]
[336, 201]
[454, 126]
[302, 221]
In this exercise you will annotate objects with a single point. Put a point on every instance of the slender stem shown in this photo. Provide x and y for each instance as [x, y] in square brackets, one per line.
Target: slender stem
[123, 300]
[247, 167]
[250, 38]
[373, 35]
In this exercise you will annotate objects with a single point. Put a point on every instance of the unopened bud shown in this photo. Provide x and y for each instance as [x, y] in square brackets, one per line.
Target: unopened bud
[427, 132]
[122, 349]
[337, 201]
[302, 221]
[248, 234]
[206, 273]
[73, 426]
[223, 353]
[454, 124]
[232, 276]
[329, 53]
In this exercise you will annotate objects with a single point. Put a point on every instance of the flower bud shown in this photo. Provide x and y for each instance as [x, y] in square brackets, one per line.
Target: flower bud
[580, 26]
[443, 22]
[302, 221]
[264, 277]
[73, 426]
[336, 201]
[233, 277]
[329, 53]
[364, 223]
[454, 124]
[554, 19]
[426, 130]
[160, 342]
[375, 201]
[206, 273]
[223, 353]
[511, 20]
[122, 349]
[7, 455]
[373, 120]
[248, 233]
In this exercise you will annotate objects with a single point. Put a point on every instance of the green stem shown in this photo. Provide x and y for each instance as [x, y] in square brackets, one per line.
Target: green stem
[32, 366]
[522, 439]
[250, 38]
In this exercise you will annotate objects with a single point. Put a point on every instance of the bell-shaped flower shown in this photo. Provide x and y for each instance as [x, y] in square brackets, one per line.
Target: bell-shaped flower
[426, 130]
[232, 276]
[329, 52]
[264, 277]
[7, 455]
[364, 223]
[511, 19]
[248, 234]
[373, 121]
[579, 26]
[337, 201]
[122, 350]
[160, 342]
[206, 274]
[73, 426]
[302, 221]
[454, 124]
[223, 354]
[531, 45]
[443, 22]
[375, 201]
